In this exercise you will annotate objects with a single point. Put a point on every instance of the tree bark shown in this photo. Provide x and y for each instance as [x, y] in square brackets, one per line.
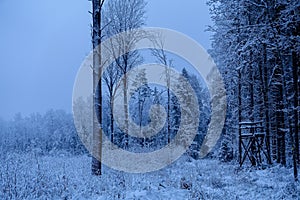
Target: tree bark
[97, 88]
[296, 99]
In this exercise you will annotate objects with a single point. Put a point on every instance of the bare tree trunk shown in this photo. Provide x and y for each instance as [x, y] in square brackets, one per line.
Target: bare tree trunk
[280, 117]
[112, 121]
[266, 101]
[169, 105]
[240, 113]
[97, 88]
[295, 139]
[251, 111]
[126, 112]
[296, 99]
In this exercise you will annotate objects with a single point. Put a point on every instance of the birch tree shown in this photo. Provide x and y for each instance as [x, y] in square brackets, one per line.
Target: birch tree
[122, 16]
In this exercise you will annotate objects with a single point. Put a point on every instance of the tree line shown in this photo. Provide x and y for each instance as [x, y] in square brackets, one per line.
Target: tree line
[51, 133]
[256, 46]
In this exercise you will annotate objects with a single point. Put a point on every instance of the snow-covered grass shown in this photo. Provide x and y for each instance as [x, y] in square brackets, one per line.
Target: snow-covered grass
[30, 176]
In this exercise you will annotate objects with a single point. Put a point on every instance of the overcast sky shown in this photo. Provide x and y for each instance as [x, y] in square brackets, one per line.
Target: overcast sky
[43, 42]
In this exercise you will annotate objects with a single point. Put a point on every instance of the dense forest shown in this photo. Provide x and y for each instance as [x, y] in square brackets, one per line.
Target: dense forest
[256, 46]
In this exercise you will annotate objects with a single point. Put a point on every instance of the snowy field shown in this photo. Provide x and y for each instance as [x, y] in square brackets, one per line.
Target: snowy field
[68, 177]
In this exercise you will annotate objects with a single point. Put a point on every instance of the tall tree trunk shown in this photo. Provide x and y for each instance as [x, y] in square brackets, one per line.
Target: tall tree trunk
[251, 107]
[111, 120]
[295, 136]
[240, 113]
[125, 101]
[169, 106]
[97, 88]
[280, 116]
[265, 87]
[296, 99]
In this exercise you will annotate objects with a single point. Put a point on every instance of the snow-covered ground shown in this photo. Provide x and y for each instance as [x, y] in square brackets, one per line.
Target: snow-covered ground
[68, 177]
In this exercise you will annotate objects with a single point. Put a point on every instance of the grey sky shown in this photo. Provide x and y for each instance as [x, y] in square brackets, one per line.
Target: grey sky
[42, 44]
